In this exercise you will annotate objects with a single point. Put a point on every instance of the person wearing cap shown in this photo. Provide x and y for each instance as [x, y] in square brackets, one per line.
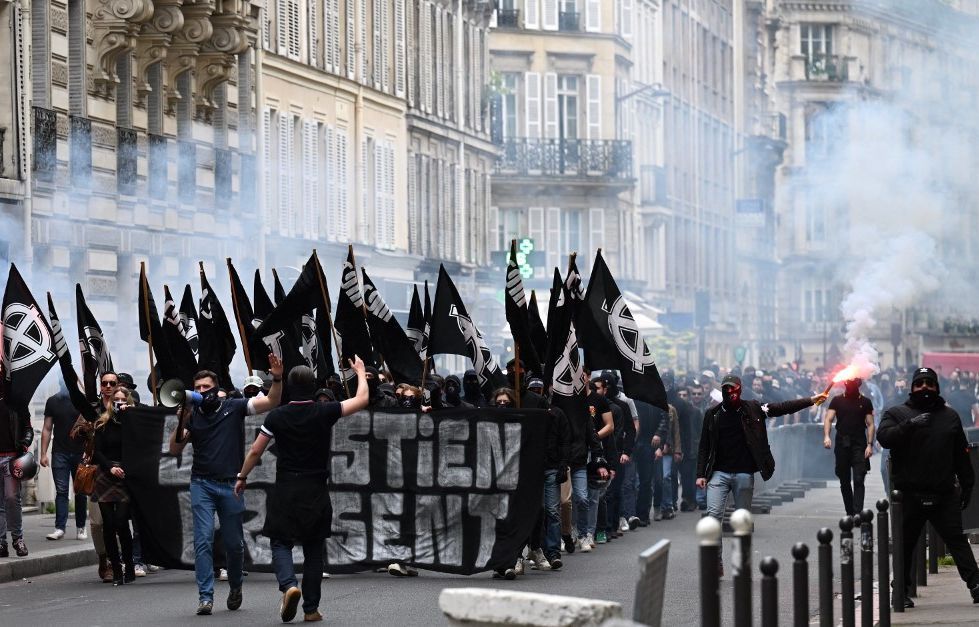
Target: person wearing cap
[930, 465]
[252, 386]
[734, 446]
[854, 416]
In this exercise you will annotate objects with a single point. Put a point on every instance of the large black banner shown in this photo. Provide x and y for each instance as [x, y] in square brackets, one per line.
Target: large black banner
[453, 491]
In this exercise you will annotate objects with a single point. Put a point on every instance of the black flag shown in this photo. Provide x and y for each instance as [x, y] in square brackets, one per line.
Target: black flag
[350, 321]
[617, 343]
[324, 333]
[151, 332]
[175, 337]
[399, 353]
[454, 332]
[76, 391]
[245, 319]
[217, 342]
[280, 343]
[563, 369]
[93, 348]
[538, 334]
[306, 295]
[293, 344]
[188, 316]
[517, 317]
[416, 325]
[28, 346]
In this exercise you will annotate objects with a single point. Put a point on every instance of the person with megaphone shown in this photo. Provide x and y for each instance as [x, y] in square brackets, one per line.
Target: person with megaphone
[215, 425]
[298, 509]
[16, 463]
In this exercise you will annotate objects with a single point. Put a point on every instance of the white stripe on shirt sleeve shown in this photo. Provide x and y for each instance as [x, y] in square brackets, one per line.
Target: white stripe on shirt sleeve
[265, 431]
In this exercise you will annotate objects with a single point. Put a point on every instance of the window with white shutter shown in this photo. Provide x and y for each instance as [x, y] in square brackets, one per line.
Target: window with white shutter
[448, 60]
[460, 209]
[342, 178]
[377, 50]
[594, 95]
[389, 192]
[538, 234]
[282, 26]
[399, 48]
[286, 147]
[312, 25]
[553, 242]
[492, 231]
[549, 14]
[412, 203]
[550, 105]
[625, 25]
[530, 17]
[311, 188]
[412, 40]
[363, 43]
[440, 66]
[295, 37]
[386, 45]
[329, 39]
[533, 108]
[366, 188]
[268, 166]
[596, 229]
[593, 16]
[351, 42]
[267, 27]
[327, 226]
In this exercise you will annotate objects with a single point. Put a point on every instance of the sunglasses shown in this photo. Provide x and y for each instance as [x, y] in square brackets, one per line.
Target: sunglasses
[109, 384]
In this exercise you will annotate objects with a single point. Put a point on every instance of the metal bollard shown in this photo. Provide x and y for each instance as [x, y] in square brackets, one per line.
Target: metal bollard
[897, 532]
[848, 603]
[825, 536]
[741, 564]
[921, 562]
[769, 592]
[883, 565]
[800, 585]
[933, 542]
[867, 568]
[709, 533]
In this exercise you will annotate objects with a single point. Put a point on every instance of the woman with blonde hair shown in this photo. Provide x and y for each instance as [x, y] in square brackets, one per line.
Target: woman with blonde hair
[110, 487]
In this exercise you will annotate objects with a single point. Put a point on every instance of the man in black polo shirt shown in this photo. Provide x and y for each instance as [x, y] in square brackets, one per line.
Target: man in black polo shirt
[216, 430]
[854, 415]
[298, 510]
[59, 417]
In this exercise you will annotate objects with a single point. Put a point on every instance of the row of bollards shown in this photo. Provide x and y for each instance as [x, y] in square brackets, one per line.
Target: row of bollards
[709, 532]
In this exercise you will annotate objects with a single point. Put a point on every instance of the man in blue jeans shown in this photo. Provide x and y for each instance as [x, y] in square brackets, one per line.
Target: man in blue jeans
[66, 454]
[734, 446]
[216, 430]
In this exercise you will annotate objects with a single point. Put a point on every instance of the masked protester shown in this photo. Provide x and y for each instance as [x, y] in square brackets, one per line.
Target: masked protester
[854, 415]
[471, 391]
[378, 399]
[216, 429]
[453, 392]
[299, 510]
[411, 398]
[928, 456]
[110, 488]
[734, 446]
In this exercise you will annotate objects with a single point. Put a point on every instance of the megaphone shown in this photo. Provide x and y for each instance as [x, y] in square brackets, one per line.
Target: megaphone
[173, 394]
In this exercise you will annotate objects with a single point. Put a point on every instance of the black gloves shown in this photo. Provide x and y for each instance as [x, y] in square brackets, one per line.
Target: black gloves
[921, 420]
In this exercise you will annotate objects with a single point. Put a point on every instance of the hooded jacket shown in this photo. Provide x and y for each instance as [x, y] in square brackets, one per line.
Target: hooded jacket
[753, 416]
[927, 459]
[18, 426]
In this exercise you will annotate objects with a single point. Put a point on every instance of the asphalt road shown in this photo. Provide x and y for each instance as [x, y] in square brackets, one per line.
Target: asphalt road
[77, 598]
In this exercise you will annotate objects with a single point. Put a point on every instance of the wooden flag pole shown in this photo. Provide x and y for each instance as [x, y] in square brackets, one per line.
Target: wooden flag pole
[336, 339]
[241, 327]
[149, 327]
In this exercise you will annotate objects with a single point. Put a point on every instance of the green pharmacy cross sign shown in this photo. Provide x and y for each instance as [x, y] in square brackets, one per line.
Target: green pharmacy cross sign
[525, 247]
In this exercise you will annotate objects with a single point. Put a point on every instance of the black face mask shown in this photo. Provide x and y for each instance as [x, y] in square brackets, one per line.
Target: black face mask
[503, 404]
[211, 401]
[411, 402]
[471, 388]
[731, 396]
[452, 393]
[924, 398]
[852, 389]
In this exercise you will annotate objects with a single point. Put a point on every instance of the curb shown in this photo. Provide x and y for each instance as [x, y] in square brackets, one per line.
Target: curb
[25, 568]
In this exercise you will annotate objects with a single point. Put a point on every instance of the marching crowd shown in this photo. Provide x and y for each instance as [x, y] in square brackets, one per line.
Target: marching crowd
[621, 465]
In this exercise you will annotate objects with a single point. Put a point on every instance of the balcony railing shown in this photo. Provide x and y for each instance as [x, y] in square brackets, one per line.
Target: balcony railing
[158, 165]
[569, 21]
[652, 185]
[826, 67]
[126, 158]
[80, 151]
[45, 144]
[565, 157]
[508, 18]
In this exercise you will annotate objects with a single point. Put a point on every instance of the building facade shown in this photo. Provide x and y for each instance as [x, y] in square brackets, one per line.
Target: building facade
[128, 137]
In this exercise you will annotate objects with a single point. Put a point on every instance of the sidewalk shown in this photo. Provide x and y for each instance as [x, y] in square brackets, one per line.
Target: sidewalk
[47, 556]
[944, 601]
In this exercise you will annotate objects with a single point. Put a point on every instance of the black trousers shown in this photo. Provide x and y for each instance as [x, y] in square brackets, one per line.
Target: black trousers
[943, 512]
[644, 471]
[850, 462]
[115, 523]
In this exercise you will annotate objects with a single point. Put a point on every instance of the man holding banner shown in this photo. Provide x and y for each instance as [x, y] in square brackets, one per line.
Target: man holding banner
[216, 429]
[299, 510]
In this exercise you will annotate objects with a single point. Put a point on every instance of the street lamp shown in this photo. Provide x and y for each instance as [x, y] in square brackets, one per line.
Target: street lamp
[657, 92]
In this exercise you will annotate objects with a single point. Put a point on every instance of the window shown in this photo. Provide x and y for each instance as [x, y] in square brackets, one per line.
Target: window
[573, 235]
[509, 105]
[567, 94]
[817, 41]
[815, 222]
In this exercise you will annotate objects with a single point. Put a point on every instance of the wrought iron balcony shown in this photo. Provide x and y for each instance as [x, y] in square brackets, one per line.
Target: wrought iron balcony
[508, 18]
[826, 67]
[158, 161]
[45, 144]
[608, 158]
[126, 157]
[569, 21]
[80, 151]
